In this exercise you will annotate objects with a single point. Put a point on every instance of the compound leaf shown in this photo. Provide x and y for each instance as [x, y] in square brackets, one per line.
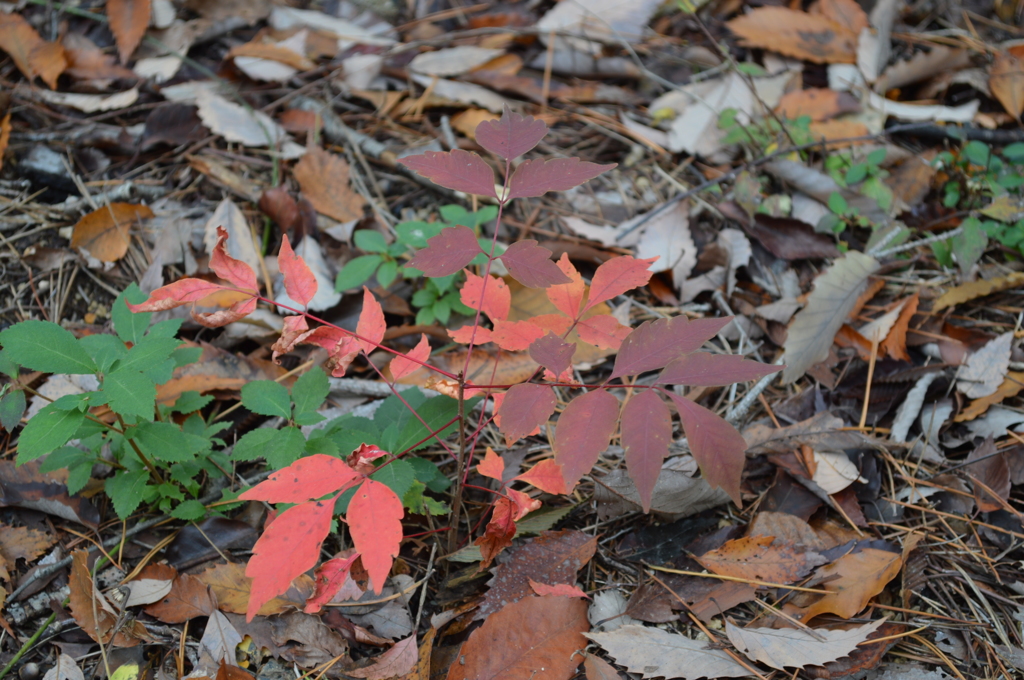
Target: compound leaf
[299, 282]
[267, 398]
[45, 346]
[330, 576]
[490, 295]
[603, 331]
[616, 276]
[371, 326]
[546, 475]
[718, 448]
[126, 490]
[653, 344]
[166, 442]
[404, 364]
[129, 392]
[553, 353]
[47, 430]
[310, 390]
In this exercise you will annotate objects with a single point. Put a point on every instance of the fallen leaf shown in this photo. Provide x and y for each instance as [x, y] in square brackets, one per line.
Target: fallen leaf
[231, 587]
[790, 239]
[818, 103]
[985, 370]
[852, 580]
[24, 486]
[453, 61]
[936, 61]
[846, 13]
[48, 62]
[236, 123]
[759, 558]
[217, 646]
[658, 653]
[558, 590]
[795, 647]
[86, 61]
[676, 494]
[833, 471]
[812, 330]
[64, 669]
[667, 238]
[5, 136]
[895, 342]
[1006, 78]
[599, 669]
[552, 558]
[598, 19]
[989, 469]
[536, 637]
[105, 231]
[91, 103]
[93, 612]
[189, 598]
[128, 22]
[797, 34]
[240, 246]
[23, 543]
[787, 529]
[19, 40]
[976, 289]
[324, 180]
[397, 661]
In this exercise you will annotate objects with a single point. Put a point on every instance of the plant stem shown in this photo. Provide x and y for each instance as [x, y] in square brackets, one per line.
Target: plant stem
[28, 644]
[138, 452]
[453, 537]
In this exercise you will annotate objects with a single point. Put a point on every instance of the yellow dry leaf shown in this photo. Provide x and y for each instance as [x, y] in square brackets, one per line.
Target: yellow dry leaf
[231, 586]
[323, 177]
[105, 231]
[852, 580]
[797, 34]
[1012, 384]
[977, 289]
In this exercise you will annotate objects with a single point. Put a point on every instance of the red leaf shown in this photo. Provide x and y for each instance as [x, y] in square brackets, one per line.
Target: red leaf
[371, 324]
[291, 335]
[361, 460]
[646, 434]
[287, 549]
[404, 364]
[341, 347]
[555, 323]
[494, 300]
[718, 448]
[537, 177]
[182, 292]
[653, 344]
[446, 253]
[299, 282]
[512, 136]
[375, 522]
[330, 577]
[304, 480]
[616, 276]
[228, 268]
[603, 331]
[567, 297]
[235, 312]
[557, 590]
[456, 170]
[515, 336]
[703, 369]
[584, 431]
[546, 475]
[531, 265]
[464, 334]
[499, 532]
[552, 353]
[492, 465]
[523, 409]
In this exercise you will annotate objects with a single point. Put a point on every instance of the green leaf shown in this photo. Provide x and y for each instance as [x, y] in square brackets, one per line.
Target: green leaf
[425, 316]
[150, 352]
[280, 448]
[167, 328]
[126, 490]
[8, 367]
[416, 233]
[183, 356]
[12, 407]
[397, 475]
[943, 253]
[104, 349]
[356, 271]
[78, 477]
[970, 244]
[751, 69]
[370, 241]
[47, 430]
[387, 273]
[1014, 152]
[267, 398]
[45, 346]
[129, 326]
[419, 504]
[857, 173]
[166, 442]
[876, 157]
[190, 402]
[189, 510]
[429, 474]
[838, 204]
[404, 430]
[65, 457]
[424, 297]
[310, 390]
[442, 311]
[308, 418]
[129, 392]
[977, 152]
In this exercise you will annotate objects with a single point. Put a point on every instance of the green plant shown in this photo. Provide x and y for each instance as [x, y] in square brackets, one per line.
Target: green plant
[765, 132]
[437, 297]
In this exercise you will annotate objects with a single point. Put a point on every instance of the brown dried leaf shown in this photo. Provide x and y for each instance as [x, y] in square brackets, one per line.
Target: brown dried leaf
[24, 486]
[398, 660]
[536, 638]
[895, 343]
[216, 370]
[553, 557]
[22, 543]
[323, 177]
[105, 231]
[128, 22]
[846, 13]
[48, 61]
[797, 34]
[786, 528]
[189, 598]
[659, 653]
[86, 61]
[28, 51]
[5, 136]
[977, 289]
[991, 473]
[760, 558]
[599, 669]
[271, 52]
[818, 103]
[1006, 78]
[852, 580]
[93, 612]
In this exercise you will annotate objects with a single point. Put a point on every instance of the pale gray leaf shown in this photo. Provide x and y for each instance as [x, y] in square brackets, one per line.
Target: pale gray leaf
[795, 647]
[983, 371]
[64, 669]
[656, 653]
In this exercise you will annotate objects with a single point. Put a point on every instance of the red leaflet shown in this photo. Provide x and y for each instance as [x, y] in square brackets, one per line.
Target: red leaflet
[616, 276]
[375, 522]
[512, 136]
[371, 324]
[176, 294]
[330, 576]
[537, 177]
[404, 364]
[546, 475]
[464, 334]
[584, 430]
[653, 344]
[531, 265]
[646, 434]
[702, 369]
[499, 532]
[341, 347]
[492, 465]
[718, 448]
[288, 548]
[557, 590]
[228, 268]
[494, 300]
[603, 331]
[456, 170]
[361, 460]
[299, 282]
[305, 479]
[446, 253]
[291, 335]
[523, 409]
[567, 297]
[552, 353]
[515, 336]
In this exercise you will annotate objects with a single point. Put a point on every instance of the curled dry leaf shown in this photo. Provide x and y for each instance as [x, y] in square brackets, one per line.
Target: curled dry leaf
[105, 231]
[1013, 384]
